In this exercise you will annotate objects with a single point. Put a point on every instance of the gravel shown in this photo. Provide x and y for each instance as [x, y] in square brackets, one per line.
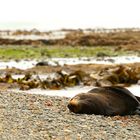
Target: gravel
[36, 117]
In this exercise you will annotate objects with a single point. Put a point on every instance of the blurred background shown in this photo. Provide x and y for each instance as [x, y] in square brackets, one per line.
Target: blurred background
[71, 14]
[58, 44]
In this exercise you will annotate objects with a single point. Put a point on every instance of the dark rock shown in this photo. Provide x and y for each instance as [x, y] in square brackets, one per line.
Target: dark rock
[42, 63]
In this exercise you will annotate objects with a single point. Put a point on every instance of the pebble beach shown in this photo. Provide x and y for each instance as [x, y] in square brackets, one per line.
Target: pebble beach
[37, 117]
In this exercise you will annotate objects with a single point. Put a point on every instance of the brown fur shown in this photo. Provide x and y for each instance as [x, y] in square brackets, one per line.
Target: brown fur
[105, 101]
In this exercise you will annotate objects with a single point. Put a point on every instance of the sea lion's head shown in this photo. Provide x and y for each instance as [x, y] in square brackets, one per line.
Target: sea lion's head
[74, 104]
[82, 103]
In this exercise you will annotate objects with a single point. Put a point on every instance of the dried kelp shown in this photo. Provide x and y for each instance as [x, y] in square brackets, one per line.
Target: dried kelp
[62, 80]
[117, 75]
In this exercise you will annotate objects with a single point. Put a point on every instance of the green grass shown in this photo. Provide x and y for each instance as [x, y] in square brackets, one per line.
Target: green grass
[30, 52]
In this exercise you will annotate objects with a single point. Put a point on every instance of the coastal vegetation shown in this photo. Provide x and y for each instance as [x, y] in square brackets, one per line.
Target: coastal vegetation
[18, 52]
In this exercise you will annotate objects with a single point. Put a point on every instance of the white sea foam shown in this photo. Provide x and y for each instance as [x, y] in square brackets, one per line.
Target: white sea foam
[25, 64]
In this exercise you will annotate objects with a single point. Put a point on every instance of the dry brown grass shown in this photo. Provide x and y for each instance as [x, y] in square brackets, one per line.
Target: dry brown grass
[80, 38]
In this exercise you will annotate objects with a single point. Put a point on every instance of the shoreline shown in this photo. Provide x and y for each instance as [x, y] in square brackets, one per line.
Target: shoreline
[69, 92]
[27, 64]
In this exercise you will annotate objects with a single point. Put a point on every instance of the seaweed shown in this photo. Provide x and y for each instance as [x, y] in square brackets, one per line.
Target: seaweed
[123, 75]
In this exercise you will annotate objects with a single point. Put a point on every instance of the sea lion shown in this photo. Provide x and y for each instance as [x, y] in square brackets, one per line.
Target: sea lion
[108, 101]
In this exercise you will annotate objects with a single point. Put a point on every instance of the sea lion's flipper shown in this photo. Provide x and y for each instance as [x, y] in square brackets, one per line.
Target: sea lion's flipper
[138, 110]
[138, 98]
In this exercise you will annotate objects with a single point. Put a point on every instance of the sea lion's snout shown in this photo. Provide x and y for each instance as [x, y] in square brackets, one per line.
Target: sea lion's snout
[73, 105]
